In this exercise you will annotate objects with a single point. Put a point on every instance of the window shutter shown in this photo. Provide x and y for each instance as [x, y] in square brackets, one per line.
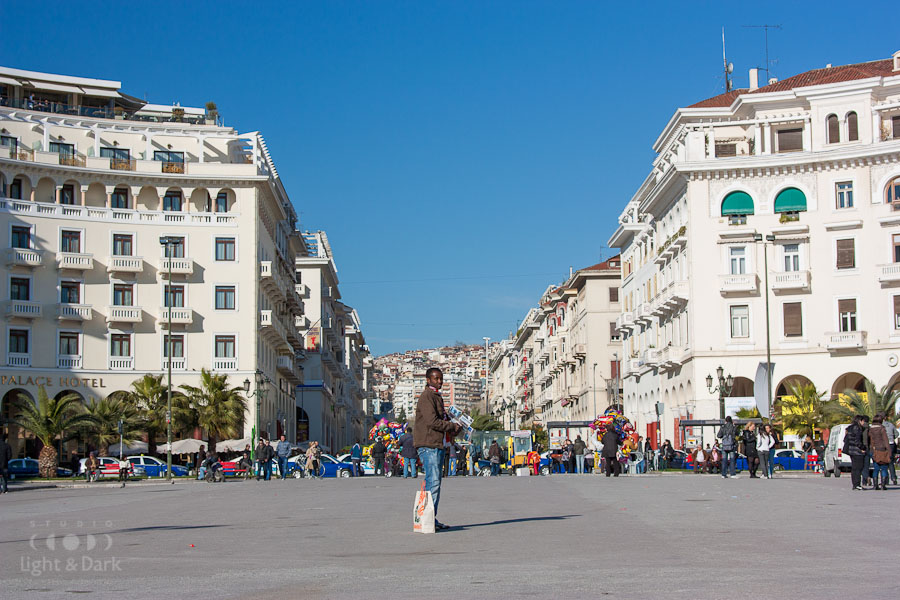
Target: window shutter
[793, 319]
[846, 255]
[790, 140]
[897, 312]
[613, 334]
[614, 369]
[849, 305]
[852, 127]
[895, 126]
[834, 129]
[613, 294]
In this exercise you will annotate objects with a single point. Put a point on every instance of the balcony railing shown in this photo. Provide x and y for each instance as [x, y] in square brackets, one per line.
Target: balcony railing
[790, 280]
[643, 312]
[746, 283]
[179, 363]
[180, 315]
[72, 160]
[177, 265]
[124, 314]
[23, 309]
[68, 362]
[676, 294]
[75, 261]
[98, 112]
[73, 312]
[225, 364]
[122, 164]
[17, 359]
[846, 340]
[125, 264]
[889, 273]
[121, 363]
[23, 257]
[115, 215]
[625, 321]
[173, 167]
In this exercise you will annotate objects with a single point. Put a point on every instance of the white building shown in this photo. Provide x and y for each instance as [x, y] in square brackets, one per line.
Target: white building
[90, 180]
[800, 174]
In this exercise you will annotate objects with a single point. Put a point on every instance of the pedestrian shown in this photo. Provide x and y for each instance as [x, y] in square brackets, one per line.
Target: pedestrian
[649, 454]
[474, 456]
[5, 457]
[764, 443]
[699, 458]
[494, 458]
[856, 450]
[867, 461]
[570, 464]
[356, 459]
[715, 459]
[268, 454]
[201, 457]
[432, 426]
[454, 456]
[727, 435]
[312, 459]
[578, 448]
[260, 450]
[775, 441]
[246, 461]
[283, 452]
[610, 450]
[881, 450]
[408, 452]
[666, 455]
[566, 455]
[463, 458]
[891, 431]
[748, 436]
[806, 447]
[378, 451]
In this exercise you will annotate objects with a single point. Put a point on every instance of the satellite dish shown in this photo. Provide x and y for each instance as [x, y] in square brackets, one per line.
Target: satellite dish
[892, 360]
[731, 67]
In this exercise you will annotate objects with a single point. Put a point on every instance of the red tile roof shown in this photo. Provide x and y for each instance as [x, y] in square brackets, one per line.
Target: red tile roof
[606, 265]
[875, 68]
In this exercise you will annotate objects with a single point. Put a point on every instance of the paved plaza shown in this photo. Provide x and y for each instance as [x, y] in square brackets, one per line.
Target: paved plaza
[672, 536]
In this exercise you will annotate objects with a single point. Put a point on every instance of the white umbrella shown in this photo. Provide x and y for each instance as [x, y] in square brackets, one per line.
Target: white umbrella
[136, 447]
[233, 445]
[186, 446]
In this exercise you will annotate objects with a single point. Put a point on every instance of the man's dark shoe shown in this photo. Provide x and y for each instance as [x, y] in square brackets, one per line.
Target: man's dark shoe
[440, 526]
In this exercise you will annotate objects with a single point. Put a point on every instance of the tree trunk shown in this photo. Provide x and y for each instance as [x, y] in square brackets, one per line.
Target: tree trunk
[151, 442]
[104, 450]
[48, 460]
[211, 446]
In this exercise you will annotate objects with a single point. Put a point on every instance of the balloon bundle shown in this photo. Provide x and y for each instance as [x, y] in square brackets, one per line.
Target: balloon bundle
[613, 420]
[388, 431]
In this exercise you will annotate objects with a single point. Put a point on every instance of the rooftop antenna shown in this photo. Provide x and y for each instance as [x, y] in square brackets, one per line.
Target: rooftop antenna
[766, 28]
[729, 67]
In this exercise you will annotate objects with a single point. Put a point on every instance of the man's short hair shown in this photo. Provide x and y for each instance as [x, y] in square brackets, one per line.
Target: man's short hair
[727, 420]
[432, 372]
[408, 429]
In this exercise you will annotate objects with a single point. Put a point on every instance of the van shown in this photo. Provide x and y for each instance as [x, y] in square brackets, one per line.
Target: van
[835, 459]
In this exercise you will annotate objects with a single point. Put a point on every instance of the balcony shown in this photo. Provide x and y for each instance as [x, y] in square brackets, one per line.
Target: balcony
[224, 364]
[73, 312]
[625, 321]
[179, 363]
[121, 363]
[643, 313]
[70, 212]
[792, 280]
[302, 290]
[579, 350]
[23, 309]
[272, 328]
[178, 266]
[676, 294]
[122, 164]
[846, 340]
[68, 362]
[125, 264]
[301, 322]
[17, 359]
[573, 392]
[746, 283]
[286, 365]
[633, 366]
[124, 314]
[179, 315]
[22, 257]
[75, 261]
[889, 273]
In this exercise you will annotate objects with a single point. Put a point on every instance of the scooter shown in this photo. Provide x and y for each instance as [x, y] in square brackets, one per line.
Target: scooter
[214, 474]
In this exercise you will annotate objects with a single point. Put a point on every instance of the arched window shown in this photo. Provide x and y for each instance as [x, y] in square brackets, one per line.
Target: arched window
[737, 203]
[790, 200]
[852, 127]
[892, 194]
[834, 129]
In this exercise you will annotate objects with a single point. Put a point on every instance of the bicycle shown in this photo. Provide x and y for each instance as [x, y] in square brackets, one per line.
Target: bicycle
[318, 473]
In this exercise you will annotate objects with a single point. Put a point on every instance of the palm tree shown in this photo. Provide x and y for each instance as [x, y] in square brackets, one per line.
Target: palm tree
[852, 403]
[220, 408]
[49, 420]
[482, 422]
[747, 413]
[106, 414]
[148, 395]
[803, 410]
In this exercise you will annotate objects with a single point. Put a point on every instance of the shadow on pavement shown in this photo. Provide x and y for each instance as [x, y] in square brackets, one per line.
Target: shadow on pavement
[507, 521]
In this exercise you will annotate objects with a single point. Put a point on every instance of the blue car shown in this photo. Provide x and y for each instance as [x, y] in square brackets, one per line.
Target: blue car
[154, 467]
[334, 467]
[28, 467]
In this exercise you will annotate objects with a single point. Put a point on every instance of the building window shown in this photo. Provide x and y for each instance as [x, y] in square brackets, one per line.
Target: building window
[224, 248]
[174, 296]
[895, 128]
[18, 341]
[119, 158]
[175, 249]
[725, 150]
[120, 344]
[791, 257]
[19, 288]
[62, 149]
[793, 319]
[224, 297]
[70, 292]
[844, 192]
[68, 343]
[614, 335]
[172, 201]
[892, 194]
[67, 194]
[896, 312]
[10, 142]
[222, 202]
[20, 237]
[833, 129]
[70, 241]
[790, 140]
[15, 189]
[738, 259]
[852, 127]
[846, 254]
[224, 346]
[177, 346]
[740, 321]
[119, 198]
[122, 244]
[736, 206]
[847, 314]
[123, 294]
[613, 294]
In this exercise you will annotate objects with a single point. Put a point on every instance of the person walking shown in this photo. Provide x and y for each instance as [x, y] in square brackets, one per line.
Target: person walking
[462, 458]
[578, 448]
[408, 452]
[283, 452]
[378, 451]
[260, 450]
[454, 456]
[764, 443]
[432, 426]
[312, 459]
[5, 457]
[666, 455]
[891, 431]
[610, 450]
[649, 454]
[356, 459]
[867, 461]
[856, 450]
[749, 437]
[727, 435]
[881, 451]
[268, 453]
[775, 441]
[494, 458]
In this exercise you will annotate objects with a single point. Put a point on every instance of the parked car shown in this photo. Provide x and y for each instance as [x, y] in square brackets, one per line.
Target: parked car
[835, 459]
[155, 467]
[28, 467]
[109, 467]
[365, 466]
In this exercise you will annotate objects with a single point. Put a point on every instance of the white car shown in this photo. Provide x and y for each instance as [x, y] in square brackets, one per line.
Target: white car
[109, 467]
[835, 459]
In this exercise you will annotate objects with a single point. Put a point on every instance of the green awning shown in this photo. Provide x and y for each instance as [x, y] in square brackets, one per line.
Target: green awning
[737, 203]
[790, 200]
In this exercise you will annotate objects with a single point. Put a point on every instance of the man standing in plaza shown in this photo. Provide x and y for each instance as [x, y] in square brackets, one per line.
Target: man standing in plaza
[578, 448]
[408, 452]
[283, 451]
[356, 459]
[729, 444]
[265, 459]
[5, 457]
[431, 428]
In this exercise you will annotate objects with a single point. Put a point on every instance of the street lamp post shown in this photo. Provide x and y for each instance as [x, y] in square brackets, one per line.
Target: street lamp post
[770, 238]
[167, 243]
[260, 391]
[723, 387]
[595, 390]
[616, 392]
[487, 366]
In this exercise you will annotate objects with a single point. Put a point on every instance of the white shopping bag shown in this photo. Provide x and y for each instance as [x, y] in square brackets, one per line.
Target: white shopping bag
[423, 512]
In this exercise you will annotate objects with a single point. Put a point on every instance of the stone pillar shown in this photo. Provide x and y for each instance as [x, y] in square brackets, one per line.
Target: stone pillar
[711, 146]
[767, 138]
[84, 190]
[58, 193]
[807, 135]
[757, 139]
[876, 126]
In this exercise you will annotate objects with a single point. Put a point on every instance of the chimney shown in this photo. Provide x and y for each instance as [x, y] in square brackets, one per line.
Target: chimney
[896, 61]
[754, 79]
[773, 80]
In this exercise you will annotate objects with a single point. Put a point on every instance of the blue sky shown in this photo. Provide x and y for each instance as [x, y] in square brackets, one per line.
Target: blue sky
[460, 155]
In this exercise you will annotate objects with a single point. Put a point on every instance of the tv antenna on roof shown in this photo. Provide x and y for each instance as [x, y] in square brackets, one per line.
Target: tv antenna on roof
[729, 67]
[766, 28]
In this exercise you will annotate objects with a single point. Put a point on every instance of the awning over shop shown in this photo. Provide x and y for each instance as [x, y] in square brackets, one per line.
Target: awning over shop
[790, 200]
[737, 203]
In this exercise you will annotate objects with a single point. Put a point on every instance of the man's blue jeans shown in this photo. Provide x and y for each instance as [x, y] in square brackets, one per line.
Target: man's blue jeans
[771, 462]
[267, 470]
[283, 466]
[579, 463]
[495, 469]
[729, 458]
[432, 461]
[409, 468]
[451, 471]
[201, 472]
[354, 462]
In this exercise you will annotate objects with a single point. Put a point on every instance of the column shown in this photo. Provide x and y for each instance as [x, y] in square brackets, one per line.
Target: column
[807, 135]
[711, 144]
[57, 194]
[96, 129]
[876, 126]
[46, 147]
[767, 138]
[84, 190]
[202, 140]
[148, 155]
[757, 139]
